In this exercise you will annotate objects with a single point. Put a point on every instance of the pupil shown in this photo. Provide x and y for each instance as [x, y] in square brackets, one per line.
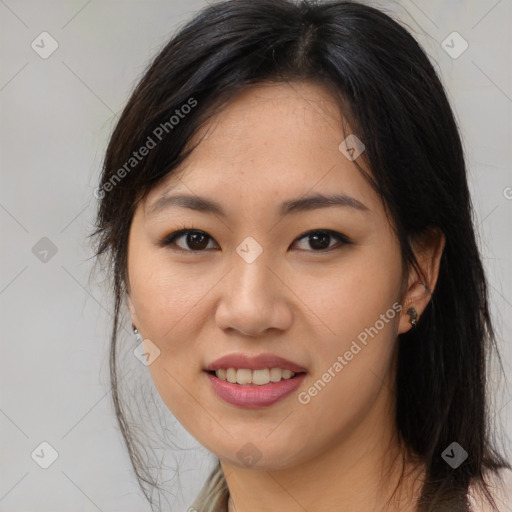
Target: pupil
[195, 240]
[324, 237]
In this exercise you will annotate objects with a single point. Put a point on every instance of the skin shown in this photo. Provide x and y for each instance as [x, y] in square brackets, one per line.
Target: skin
[272, 143]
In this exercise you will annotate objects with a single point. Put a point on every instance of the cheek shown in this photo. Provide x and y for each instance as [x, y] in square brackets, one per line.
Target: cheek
[166, 298]
[347, 380]
[357, 312]
[168, 302]
[349, 297]
[171, 302]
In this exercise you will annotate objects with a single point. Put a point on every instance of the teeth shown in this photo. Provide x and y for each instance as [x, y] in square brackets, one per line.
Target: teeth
[230, 375]
[260, 377]
[255, 377]
[243, 376]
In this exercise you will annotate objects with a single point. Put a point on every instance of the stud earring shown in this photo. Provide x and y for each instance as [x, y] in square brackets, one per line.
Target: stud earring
[414, 316]
[137, 334]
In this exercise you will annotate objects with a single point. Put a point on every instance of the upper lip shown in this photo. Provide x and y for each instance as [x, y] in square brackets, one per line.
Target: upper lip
[254, 363]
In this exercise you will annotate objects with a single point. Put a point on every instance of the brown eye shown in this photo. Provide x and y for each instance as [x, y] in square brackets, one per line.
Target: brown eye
[193, 240]
[320, 240]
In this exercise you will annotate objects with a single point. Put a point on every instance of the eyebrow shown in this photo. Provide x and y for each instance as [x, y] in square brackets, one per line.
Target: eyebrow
[302, 204]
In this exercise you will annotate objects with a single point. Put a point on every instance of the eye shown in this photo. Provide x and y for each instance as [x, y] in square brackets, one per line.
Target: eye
[193, 240]
[320, 240]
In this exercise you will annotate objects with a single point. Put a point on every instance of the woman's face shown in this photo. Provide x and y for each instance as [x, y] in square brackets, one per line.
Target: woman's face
[260, 279]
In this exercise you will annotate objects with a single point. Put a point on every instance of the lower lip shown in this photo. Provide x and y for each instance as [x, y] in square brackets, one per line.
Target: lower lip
[252, 396]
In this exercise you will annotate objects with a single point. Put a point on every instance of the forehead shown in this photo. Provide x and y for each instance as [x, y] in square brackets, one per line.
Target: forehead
[268, 120]
[270, 142]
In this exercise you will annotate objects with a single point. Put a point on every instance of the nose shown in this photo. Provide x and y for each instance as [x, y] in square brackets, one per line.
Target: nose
[255, 299]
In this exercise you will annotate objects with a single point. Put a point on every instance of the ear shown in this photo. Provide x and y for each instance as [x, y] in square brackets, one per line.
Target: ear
[428, 249]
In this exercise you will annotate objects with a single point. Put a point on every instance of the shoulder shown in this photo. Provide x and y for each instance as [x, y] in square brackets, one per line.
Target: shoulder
[500, 487]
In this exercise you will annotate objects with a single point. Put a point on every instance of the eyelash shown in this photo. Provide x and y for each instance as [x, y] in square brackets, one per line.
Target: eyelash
[172, 237]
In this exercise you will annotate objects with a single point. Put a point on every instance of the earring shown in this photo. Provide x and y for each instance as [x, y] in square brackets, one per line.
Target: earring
[414, 316]
[137, 334]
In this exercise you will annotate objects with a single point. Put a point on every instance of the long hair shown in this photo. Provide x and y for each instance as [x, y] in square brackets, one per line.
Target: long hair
[393, 99]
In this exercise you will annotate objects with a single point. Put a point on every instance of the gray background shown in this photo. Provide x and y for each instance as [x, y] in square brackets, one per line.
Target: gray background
[56, 116]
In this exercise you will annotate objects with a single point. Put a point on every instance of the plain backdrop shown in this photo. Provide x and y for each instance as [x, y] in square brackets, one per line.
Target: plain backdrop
[56, 116]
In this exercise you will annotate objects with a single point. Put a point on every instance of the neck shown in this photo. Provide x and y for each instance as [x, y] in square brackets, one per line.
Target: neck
[366, 469]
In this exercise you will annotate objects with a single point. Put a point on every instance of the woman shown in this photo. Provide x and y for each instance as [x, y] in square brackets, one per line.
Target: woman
[285, 208]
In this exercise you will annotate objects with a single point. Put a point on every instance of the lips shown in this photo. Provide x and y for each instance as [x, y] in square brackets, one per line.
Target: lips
[254, 397]
[259, 362]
